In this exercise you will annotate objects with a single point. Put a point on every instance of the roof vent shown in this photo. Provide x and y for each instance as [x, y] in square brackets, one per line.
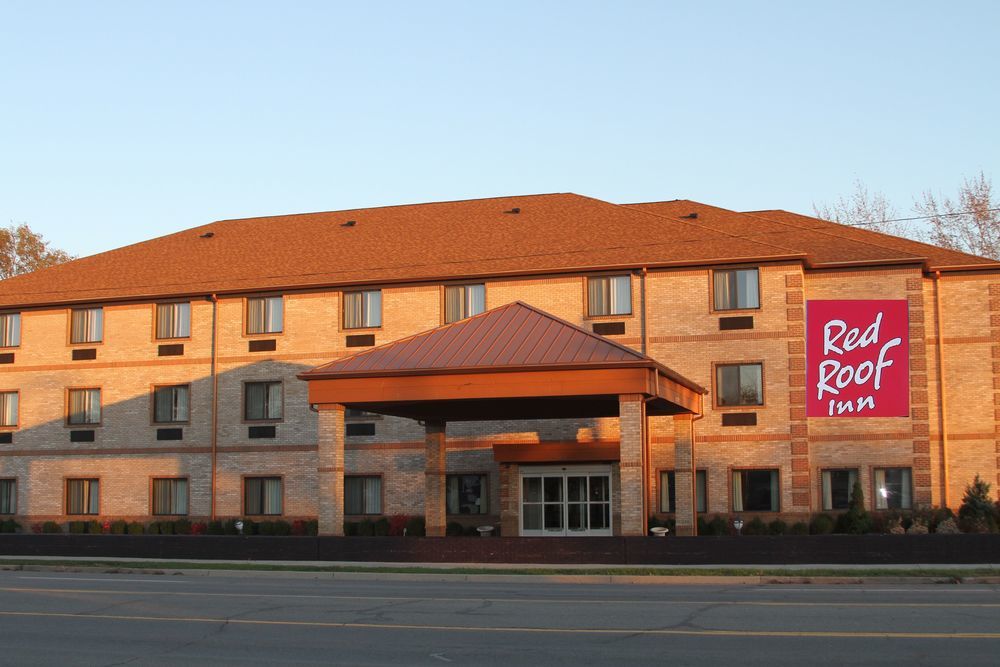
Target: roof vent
[513, 211]
[691, 216]
[207, 235]
[349, 223]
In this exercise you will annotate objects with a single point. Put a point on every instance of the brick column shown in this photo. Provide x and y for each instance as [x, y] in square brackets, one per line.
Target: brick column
[510, 500]
[798, 425]
[923, 492]
[330, 470]
[685, 491]
[631, 417]
[434, 478]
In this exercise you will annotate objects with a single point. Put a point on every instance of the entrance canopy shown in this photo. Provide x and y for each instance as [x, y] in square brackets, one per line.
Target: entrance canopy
[512, 362]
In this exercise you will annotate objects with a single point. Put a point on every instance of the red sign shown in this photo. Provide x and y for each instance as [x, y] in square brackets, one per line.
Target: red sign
[857, 359]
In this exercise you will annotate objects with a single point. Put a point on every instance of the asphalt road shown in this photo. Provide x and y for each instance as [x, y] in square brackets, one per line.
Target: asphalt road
[100, 619]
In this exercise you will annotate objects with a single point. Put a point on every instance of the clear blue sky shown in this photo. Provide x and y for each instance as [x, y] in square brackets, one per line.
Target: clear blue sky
[120, 121]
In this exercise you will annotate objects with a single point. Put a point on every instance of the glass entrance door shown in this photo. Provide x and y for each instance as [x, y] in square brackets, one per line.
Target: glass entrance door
[566, 501]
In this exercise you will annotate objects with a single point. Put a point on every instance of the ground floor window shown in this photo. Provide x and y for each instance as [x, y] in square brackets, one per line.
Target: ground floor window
[363, 495]
[756, 491]
[893, 488]
[8, 496]
[467, 494]
[668, 493]
[170, 496]
[261, 495]
[83, 496]
[837, 488]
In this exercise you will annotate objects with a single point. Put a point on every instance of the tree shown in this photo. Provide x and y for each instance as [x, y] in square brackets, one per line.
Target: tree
[977, 511]
[22, 251]
[869, 210]
[856, 519]
[970, 224]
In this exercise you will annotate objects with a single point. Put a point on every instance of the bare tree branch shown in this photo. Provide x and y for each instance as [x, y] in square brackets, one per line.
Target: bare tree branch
[23, 251]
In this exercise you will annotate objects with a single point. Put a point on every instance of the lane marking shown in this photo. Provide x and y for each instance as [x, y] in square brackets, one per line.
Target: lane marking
[105, 581]
[481, 629]
[571, 601]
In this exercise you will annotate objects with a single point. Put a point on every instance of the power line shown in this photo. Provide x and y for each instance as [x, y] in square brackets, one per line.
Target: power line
[921, 217]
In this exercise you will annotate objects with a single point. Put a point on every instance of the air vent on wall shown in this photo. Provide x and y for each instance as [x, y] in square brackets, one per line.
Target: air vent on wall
[171, 350]
[87, 354]
[261, 432]
[361, 340]
[169, 434]
[739, 419]
[81, 436]
[609, 328]
[6, 438]
[360, 429]
[7, 358]
[269, 345]
[732, 323]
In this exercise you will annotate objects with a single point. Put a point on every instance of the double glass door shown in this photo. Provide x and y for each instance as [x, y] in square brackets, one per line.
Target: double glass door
[566, 501]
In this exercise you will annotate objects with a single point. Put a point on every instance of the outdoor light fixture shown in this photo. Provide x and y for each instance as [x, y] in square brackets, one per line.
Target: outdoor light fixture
[738, 525]
[239, 527]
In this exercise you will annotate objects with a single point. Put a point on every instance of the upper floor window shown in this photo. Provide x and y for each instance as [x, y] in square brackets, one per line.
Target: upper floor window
[8, 496]
[173, 320]
[171, 404]
[461, 301]
[736, 289]
[739, 384]
[10, 329]
[86, 325]
[84, 406]
[262, 401]
[8, 408]
[363, 310]
[893, 488]
[265, 315]
[609, 295]
[756, 491]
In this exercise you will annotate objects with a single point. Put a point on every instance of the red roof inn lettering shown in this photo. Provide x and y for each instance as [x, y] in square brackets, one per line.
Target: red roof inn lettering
[858, 359]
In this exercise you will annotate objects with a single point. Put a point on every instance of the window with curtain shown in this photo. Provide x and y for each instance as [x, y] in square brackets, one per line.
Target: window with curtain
[171, 404]
[363, 495]
[668, 493]
[262, 401]
[261, 495]
[462, 301]
[8, 408]
[893, 488]
[363, 310]
[466, 494]
[84, 406]
[265, 315]
[739, 384]
[756, 491]
[173, 320]
[609, 295]
[86, 325]
[10, 329]
[736, 289]
[170, 496]
[8, 496]
[83, 496]
[837, 488]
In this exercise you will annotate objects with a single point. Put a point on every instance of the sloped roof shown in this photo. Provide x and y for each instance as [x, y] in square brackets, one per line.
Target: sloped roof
[515, 336]
[481, 237]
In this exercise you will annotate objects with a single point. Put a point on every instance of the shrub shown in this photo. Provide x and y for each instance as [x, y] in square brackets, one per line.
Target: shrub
[977, 513]
[135, 528]
[856, 520]
[947, 527]
[10, 526]
[282, 528]
[415, 527]
[312, 527]
[821, 524]
[918, 527]
[95, 527]
[777, 527]
[215, 528]
[350, 528]
[717, 526]
[453, 529]
[755, 526]
[119, 527]
[199, 528]
[229, 527]
[397, 522]
[381, 527]
[182, 527]
[366, 528]
[166, 527]
[799, 528]
[51, 527]
[265, 528]
[77, 527]
[932, 516]
[298, 527]
[472, 531]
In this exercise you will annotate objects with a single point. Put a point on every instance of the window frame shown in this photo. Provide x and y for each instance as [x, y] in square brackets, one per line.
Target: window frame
[20, 329]
[100, 500]
[243, 492]
[17, 418]
[659, 485]
[464, 285]
[716, 365]
[152, 495]
[381, 490]
[13, 505]
[822, 470]
[586, 296]
[156, 322]
[713, 308]
[266, 420]
[732, 499]
[66, 408]
[874, 501]
[246, 315]
[69, 326]
[484, 493]
[152, 403]
[343, 309]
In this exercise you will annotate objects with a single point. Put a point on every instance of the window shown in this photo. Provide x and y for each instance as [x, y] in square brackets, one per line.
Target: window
[83, 496]
[363, 310]
[173, 320]
[837, 488]
[86, 325]
[736, 289]
[461, 301]
[265, 315]
[8, 496]
[170, 496]
[363, 495]
[84, 406]
[10, 330]
[262, 401]
[467, 494]
[609, 295]
[171, 404]
[262, 495]
[668, 491]
[8, 408]
[893, 488]
[756, 491]
[739, 384]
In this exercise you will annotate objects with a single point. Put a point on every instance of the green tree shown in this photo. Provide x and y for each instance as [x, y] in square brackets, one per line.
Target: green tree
[977, 511]
[856, 519]
[23, 251]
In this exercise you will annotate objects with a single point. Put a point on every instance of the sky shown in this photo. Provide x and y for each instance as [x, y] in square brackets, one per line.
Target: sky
[122, 121]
